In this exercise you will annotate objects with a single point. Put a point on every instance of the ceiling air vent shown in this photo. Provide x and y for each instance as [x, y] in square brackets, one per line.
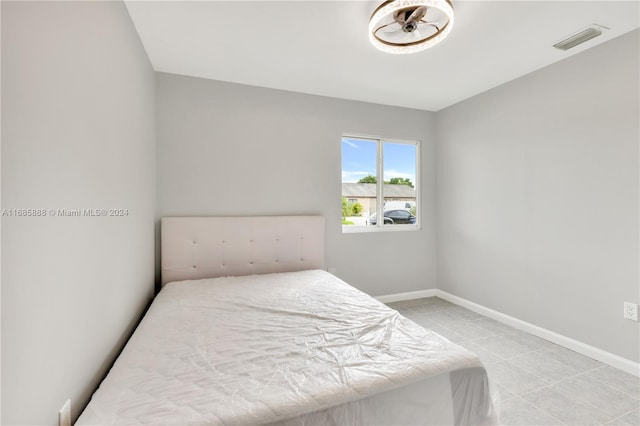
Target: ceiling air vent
[592, 31]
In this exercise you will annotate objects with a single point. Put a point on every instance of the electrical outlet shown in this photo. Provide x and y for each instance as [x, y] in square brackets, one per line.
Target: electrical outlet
[631, 311]
[64, 415]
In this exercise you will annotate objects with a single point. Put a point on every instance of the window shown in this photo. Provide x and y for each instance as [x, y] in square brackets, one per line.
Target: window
[379, 179]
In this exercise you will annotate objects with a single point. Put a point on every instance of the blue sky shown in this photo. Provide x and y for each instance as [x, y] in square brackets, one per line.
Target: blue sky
[359, 160]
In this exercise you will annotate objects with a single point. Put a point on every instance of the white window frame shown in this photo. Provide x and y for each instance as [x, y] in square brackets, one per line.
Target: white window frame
[380, 227]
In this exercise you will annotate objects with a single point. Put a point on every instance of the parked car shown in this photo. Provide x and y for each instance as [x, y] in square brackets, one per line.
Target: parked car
[394, 217]
[396, 204]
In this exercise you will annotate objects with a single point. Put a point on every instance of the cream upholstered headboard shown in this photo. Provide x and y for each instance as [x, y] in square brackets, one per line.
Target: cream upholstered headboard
[208, 247]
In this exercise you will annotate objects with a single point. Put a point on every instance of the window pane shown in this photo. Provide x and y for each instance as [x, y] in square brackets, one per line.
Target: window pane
[399, 183]
[359, 177]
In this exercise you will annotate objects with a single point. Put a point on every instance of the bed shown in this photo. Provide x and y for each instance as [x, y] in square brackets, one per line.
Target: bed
[249, 329]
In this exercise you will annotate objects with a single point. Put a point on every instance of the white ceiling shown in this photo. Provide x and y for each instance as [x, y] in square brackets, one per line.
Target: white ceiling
[322, 47]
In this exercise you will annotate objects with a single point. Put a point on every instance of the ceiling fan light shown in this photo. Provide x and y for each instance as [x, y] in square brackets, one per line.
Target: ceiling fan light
[389, 7]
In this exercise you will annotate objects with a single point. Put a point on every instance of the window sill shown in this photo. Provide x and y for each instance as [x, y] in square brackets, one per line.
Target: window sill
[354, 229]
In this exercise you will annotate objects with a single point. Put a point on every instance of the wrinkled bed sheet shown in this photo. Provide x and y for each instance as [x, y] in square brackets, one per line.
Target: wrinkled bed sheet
[291, 349]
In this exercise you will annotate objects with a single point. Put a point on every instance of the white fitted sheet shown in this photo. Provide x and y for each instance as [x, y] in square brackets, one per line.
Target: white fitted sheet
[290, 349]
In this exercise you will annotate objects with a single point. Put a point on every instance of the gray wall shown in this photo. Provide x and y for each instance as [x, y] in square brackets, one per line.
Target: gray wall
[77, 132]
[229, 149]
[538, 197]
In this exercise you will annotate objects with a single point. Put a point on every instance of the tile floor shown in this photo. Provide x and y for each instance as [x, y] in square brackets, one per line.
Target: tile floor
[539, 382]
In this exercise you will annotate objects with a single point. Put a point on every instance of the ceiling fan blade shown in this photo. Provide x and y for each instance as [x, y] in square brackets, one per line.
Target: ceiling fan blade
[389, 28]
[433, 24]
[392, 27]
[417, 14]
[416, 34]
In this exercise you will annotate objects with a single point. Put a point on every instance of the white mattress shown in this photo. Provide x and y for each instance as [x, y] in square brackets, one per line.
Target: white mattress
[290, 348]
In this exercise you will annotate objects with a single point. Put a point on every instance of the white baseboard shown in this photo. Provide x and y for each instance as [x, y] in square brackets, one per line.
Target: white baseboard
[398, 297]
[613, 360]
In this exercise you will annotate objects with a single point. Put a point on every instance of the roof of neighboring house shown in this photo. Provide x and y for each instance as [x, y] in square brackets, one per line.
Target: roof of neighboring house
[368, 190]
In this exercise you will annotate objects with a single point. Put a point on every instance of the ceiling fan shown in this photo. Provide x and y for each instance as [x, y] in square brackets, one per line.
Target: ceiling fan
[407, 26]
[408, 20]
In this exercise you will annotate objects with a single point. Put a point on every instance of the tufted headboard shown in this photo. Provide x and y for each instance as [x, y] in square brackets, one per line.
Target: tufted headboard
[208, 247]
